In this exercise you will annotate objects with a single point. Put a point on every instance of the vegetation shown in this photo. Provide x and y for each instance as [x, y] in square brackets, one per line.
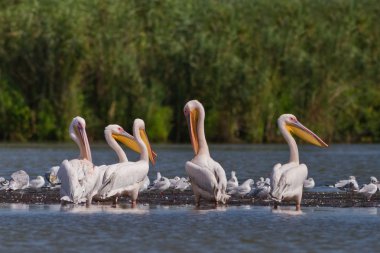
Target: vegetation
[247, 61]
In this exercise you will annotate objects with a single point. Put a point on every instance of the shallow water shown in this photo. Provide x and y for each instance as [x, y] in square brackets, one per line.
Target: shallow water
[50, 228]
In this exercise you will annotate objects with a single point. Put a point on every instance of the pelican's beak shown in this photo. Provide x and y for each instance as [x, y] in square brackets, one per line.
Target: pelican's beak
[81, 131]
[130, 141]
[192, 120]
[304, 133]
[152, 154]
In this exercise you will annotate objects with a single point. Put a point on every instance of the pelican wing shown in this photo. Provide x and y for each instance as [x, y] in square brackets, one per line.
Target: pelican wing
[71, 189]
[123, 176]
[220, 176]
[202, 178]
[291, 182]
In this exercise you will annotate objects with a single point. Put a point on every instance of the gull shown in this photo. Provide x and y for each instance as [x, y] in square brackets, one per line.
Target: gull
[309, 183]
[232, 182]
[157, 178]
[243, 189]
[162, 184]
[182, 184]
[145, 184]
[19, 180]
[349, 184]
[4, 184]
[51, 176]
[262, 190]
[174, 181]
[369, 189]
[37, 183]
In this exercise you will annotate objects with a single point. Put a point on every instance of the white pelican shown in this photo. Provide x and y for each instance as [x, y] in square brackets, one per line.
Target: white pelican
[242, 189]
[79, 174]
[288, 179]
[37, 183]
[19, 180]
[127, 178]
[208, 179]
[309, 183]
[369, 189]
[232, 182]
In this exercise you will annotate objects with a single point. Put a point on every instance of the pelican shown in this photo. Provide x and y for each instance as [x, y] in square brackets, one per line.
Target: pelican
[77, 174]
[110, 134]
[128, 177]
[288, 179]
[207, 177]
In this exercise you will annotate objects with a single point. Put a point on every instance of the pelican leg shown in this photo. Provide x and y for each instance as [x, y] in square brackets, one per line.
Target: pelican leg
[298, 207]
[89, 201]
[275, 205]
[114, 202]
[134, 195]
[197, 200]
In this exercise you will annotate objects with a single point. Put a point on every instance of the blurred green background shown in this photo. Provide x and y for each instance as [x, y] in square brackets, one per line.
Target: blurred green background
[247, 61]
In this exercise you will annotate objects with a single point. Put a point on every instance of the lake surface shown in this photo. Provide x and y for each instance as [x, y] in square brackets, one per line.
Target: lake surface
[52, 228]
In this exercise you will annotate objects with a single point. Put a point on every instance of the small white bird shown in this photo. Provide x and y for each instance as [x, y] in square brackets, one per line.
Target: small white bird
[37, 183]
[262, 190]
[182, 185]
[376, 182]
[161, 185]
[243, 189]
[145, 185]
[4, 184]
[232, 182]
[309, 183]
[51, 176]
[157, 178]
[260, 182]
[19, 180]
[369, 189]
[174, 181]
[349, 184]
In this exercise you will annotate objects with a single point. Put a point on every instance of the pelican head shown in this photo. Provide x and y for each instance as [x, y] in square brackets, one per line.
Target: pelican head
[295, 127]
[118, 133]
[192, 110]
[78, 134]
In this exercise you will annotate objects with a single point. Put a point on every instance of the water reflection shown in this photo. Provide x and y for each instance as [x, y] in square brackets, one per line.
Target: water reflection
[120, 209]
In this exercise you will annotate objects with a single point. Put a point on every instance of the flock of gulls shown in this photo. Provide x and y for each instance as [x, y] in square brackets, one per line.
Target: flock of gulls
[80, 181]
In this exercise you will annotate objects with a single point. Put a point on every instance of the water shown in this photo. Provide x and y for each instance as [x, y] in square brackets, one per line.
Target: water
[51, 228]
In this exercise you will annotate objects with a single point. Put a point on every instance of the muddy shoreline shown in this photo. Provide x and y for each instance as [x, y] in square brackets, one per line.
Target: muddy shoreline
[312, 199]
